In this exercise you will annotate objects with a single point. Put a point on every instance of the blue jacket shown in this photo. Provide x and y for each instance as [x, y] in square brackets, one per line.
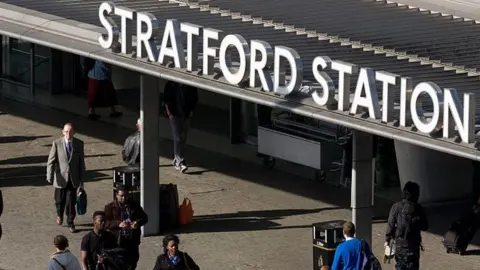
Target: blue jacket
[100, 71]
[348, 255]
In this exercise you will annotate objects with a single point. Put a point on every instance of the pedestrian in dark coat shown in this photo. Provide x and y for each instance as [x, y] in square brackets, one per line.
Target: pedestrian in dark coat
[172, 258]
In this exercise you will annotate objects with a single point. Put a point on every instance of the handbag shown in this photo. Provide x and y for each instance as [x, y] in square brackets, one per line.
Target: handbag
[185, 212]
[81, 201]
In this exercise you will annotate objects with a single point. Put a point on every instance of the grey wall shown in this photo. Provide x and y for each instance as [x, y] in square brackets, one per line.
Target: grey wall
[442, 177]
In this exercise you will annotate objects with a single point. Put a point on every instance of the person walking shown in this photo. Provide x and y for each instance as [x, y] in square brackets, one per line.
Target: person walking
[180, 102]
[350, 254]
[125, 217]
[66, 170]
[172, 258]
[95, 241]
[101, 92]
[406, 220]
[62, 259]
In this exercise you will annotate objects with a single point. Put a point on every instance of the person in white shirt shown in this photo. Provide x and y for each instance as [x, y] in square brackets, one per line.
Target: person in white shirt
[62, 259]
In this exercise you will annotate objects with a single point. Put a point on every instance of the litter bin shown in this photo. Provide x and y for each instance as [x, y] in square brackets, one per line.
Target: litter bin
[326, 237]
[129, 176]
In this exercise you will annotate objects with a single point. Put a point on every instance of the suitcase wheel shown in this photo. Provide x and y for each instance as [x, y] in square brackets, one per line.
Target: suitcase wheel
[448, 251]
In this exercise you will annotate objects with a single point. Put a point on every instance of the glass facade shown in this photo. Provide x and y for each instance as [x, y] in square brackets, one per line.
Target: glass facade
[22, 63]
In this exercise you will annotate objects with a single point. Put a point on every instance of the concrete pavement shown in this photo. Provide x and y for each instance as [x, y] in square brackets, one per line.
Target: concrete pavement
[245, 217]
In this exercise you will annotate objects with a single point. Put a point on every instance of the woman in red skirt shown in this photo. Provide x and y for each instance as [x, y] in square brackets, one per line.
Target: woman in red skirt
[101, 92]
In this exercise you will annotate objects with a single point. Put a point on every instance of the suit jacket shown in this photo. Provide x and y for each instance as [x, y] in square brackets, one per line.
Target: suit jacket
[60, 167]
[113, 218]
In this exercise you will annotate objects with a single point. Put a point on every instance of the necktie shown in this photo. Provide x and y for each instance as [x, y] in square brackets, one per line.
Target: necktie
[69, 148]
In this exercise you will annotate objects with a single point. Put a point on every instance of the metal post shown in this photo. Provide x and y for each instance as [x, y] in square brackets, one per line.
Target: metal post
[362, 185]
[149, 153]
[32, 69]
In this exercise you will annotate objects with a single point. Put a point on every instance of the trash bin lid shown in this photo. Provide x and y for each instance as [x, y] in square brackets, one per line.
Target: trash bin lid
[127, 169]
[329, 225]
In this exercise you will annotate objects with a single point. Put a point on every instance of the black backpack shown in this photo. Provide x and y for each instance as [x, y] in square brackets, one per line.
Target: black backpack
[406, 220]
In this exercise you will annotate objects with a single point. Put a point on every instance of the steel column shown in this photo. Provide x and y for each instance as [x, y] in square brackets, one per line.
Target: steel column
[362, 185]
[149, 152]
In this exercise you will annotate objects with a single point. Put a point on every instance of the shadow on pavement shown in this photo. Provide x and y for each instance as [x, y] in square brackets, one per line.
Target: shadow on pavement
[439, 220]
[17, 139]
[247, 221]
[35, 176]
[39, 159]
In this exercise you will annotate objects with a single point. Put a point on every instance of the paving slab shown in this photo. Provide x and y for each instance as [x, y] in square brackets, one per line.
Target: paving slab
[245, 217]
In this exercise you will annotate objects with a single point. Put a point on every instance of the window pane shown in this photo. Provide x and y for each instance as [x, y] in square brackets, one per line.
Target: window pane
[18, 66]
[42, 68]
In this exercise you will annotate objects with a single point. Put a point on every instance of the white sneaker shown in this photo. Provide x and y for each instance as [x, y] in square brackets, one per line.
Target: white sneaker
[174, 163]
[183, 168]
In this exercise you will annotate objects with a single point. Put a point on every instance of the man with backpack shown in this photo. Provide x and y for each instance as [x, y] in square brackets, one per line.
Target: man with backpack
[406, 221]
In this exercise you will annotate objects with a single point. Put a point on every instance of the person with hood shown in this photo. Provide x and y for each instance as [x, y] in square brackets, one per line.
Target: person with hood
[406, 220]
[62, 259]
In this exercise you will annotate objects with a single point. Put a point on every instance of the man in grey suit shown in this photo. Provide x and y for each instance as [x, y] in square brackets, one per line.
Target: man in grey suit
[66, 170]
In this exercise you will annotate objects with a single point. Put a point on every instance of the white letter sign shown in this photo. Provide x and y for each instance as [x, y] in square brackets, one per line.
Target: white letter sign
[242, 72]
[416, 107]
[173, 34]
[452, 117]
[284, 56]
[261, 56]
[104, 12]
[344, 71]
[327, 97]
[366, 81]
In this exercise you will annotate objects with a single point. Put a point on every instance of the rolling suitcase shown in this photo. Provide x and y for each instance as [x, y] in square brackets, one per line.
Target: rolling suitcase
[460, 234]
